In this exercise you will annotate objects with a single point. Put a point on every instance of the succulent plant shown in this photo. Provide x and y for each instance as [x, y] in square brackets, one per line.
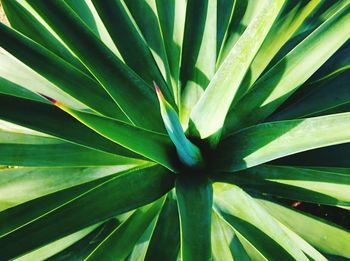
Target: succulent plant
[174, 129]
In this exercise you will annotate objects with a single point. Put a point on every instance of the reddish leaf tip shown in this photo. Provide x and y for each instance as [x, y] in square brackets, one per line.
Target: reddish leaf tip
[52, 100]
[157, 88]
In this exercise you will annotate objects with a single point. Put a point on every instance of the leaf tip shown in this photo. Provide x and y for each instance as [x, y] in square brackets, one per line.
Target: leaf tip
[52, 100]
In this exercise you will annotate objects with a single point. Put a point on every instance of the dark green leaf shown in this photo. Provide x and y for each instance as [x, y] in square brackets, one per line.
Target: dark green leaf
[194, 198]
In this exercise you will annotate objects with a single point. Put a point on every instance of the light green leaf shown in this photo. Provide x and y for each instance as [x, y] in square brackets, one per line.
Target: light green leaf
[243, 13]
[115, 12]
[225, 243]
[25, 22]
[19, 185]
[198, 53]
[194, 199]
[28, 150]
[246, 215]
[52, 67]
[222, 90]
[282, 30]
[331, 156]
[323, 235]
[86, 11]
[297, 183]
[326, 94]
[303, 245]
[267, 141]
[47, 251]
[18, 73]
[115, 246]
[271, 90]
[140, 248]
[51, 120]
[91, 203]
[10, 88]
[146, 17]
[82, 248]
[119, 80]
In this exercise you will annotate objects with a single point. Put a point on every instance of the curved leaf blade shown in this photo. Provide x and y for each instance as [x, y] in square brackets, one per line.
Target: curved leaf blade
[267, 141]
[111, 197]
[119, 80]
[282, 80]
[51, 120]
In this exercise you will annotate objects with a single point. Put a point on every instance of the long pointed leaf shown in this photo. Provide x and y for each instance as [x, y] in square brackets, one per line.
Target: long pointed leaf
[53, 121]
[119, 80]
[271, 90]
[114, 196]
[199, 53]
[265, 142]
[323, 235]
[222, 90]
[152, 145]
[52, 67]
[234, 204]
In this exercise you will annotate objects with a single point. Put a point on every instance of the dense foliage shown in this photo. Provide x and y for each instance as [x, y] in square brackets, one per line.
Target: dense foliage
[159, 130]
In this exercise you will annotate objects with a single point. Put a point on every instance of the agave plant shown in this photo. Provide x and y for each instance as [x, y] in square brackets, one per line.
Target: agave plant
[174, 129]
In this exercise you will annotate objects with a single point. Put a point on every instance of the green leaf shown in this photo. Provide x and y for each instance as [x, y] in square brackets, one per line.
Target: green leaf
[52, 67]
[83, 10]
[152, 145]
[18, 149]
[247, 216]
[47, 251]
[53, 121]
[282, 30]
[88, 14]
[326, 94]
[309, 250]
[194, 199]
[101, 201]
[188, 153]
[18, 73]
[171, 15]
[225, 243]
[10, 88]
[19, 185]
[272, 89]
[119, 80]
[225, 10]
[222, 90]
[146, 16]
[23, 21]
[267, 141]
[115, 246]
[322, 234]
[307, 185]
[243, 14]
[140, 248]
[331, 156]
[167, 230]
[80, 249]
[198, 53]
[115, 12]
